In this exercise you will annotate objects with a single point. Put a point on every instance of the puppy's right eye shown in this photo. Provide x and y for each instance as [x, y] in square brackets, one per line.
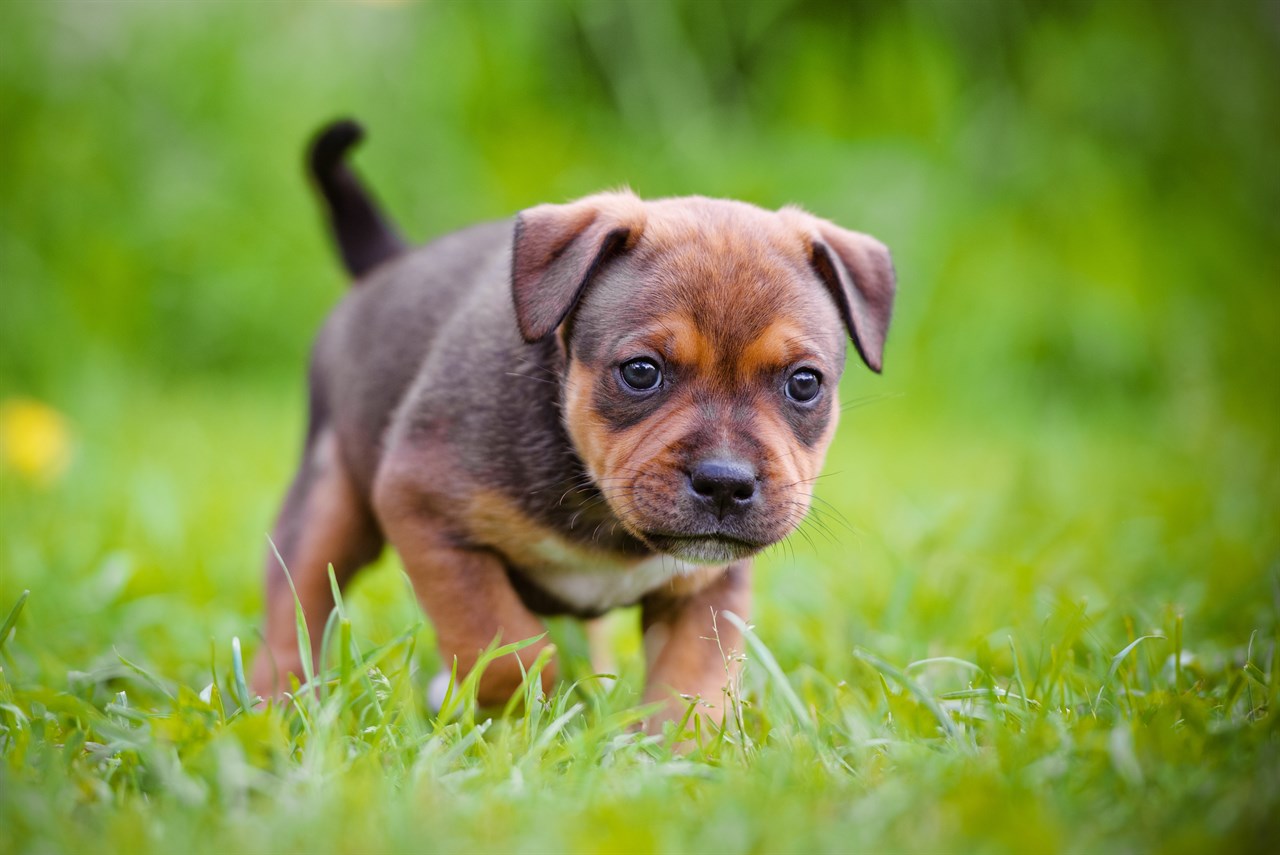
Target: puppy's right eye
[641, 375]
[803, 386]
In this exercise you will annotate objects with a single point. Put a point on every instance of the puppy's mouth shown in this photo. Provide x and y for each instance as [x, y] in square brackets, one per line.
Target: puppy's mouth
[709, 548]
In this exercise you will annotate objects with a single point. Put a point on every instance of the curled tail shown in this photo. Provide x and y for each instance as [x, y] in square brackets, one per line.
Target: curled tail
[365, 239]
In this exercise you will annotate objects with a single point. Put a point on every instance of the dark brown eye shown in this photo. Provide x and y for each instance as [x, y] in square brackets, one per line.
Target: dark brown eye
[803, 385]
[642, 375]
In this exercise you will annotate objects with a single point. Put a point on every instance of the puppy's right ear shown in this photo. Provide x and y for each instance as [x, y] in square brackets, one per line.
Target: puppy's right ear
[558, 248]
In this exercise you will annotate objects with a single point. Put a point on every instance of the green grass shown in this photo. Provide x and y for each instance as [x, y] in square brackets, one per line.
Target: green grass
[940, 662]
[1036, 609]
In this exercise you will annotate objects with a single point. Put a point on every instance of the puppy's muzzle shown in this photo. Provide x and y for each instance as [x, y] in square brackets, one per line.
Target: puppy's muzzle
[723, 486]
[723, 514]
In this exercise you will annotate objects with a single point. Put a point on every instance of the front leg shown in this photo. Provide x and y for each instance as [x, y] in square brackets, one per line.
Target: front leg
[469, 599]
[686, 644]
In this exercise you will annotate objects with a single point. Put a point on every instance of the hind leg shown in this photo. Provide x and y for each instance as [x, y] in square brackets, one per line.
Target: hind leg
[324, 521]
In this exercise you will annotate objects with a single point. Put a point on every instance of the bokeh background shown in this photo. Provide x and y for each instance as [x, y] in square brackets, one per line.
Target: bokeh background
[1080, 404]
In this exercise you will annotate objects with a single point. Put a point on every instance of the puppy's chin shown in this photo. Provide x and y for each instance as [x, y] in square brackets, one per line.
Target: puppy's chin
[708, 549]
[673, 525]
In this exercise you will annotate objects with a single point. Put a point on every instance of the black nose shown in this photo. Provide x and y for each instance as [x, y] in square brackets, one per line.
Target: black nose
[723, 486]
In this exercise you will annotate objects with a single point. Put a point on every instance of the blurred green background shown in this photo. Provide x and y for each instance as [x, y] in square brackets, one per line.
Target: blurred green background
[1075, 443]
[1080, 398]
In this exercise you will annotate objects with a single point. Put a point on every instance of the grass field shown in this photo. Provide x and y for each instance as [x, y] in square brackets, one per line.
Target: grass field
[1036, 610]
[994, 645]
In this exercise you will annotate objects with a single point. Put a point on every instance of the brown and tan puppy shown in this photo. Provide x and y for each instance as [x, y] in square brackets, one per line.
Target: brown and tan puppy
[599, 404]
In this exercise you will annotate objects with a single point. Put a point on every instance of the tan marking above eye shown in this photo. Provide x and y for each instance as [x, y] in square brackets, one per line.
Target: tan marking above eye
[677, 338]
[685, 344]
[781, 344]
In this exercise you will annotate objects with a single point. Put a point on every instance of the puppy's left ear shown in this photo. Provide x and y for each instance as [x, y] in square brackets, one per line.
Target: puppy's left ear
[858, 271]
[559, 248]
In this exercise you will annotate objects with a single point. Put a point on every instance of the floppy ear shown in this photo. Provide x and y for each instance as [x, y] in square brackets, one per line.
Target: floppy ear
[859, 273]
[558, 248]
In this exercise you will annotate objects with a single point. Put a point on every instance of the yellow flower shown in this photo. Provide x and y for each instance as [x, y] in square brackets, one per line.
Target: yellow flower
[35, 440]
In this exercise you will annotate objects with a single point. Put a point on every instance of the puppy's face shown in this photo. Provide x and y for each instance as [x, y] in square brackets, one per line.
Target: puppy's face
[704, 351]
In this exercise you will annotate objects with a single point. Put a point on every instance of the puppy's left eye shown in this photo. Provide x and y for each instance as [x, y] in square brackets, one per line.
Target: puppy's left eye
[642, 375]
[803, 385]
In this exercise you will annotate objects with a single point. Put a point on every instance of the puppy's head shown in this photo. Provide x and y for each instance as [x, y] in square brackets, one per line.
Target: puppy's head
[705, 340]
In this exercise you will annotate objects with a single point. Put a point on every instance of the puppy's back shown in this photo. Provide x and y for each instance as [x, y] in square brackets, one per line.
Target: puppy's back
[377, 339]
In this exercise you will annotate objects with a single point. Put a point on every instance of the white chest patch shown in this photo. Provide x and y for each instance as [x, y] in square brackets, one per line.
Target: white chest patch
[593, 581]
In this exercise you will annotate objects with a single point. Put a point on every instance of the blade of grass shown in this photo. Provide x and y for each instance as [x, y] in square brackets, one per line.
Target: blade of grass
[466, 692]
[345, 653]
[300, 621]
[326, 652]
[941, 660]
[544, 739]
[1118, 658]
[337, 593]
[678, 733]
[1017, 674]
[215, 694]
[926, 699]
[1177, 653]
[237, 667]
[11, 621]
[779, 679]
[530, 688]
[151, 679]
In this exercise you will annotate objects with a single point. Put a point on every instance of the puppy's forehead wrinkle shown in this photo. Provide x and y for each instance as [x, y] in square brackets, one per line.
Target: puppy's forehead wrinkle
[718, 290]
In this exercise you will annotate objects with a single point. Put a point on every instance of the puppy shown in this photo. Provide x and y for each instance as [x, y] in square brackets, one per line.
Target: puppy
[602, 403]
